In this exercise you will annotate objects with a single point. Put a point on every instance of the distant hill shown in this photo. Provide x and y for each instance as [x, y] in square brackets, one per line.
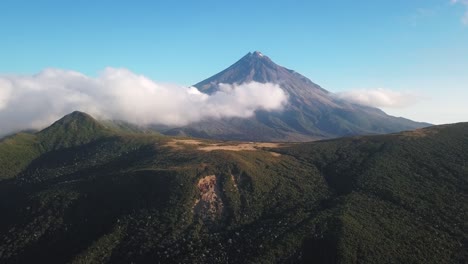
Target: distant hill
[312, 112]
[83, 192]
[75, 129]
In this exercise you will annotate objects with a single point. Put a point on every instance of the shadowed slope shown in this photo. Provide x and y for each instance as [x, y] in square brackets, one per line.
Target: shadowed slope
[146, 198]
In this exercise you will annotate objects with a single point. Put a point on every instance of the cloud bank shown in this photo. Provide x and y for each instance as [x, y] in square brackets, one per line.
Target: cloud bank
[380, 98]
[464, 19]
[36, 101]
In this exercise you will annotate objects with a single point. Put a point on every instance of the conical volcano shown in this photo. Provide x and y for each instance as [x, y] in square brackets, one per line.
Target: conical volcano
[312, 112]
[256, 67]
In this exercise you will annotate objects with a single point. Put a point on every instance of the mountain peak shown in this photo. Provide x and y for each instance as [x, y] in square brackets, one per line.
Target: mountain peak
[73, 129]
[79, 115]
[257, 67]
[257, 54]
[253, 67]
[76, 120]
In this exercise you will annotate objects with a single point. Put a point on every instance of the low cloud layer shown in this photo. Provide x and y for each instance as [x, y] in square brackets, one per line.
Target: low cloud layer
[464, 19]
[380, 98]
[36, 101]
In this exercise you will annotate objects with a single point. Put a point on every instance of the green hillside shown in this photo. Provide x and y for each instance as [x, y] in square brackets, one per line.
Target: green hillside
[16, 152]
[83, 192]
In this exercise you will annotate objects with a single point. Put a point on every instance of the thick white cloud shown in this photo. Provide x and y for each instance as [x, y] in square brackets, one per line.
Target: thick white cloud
[5, 91]
[36, 101]
[380, 97]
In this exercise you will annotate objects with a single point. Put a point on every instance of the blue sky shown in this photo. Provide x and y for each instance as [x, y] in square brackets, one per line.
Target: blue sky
[409, 46]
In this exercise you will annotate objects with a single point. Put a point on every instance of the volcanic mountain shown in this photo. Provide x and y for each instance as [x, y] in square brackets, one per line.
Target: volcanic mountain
[312, 112]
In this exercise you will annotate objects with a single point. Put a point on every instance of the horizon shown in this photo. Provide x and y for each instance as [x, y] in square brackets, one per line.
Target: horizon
[407, 56]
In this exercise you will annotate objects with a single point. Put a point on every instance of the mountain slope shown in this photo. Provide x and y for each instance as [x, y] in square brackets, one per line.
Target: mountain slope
[393, 188]
[312, 112]
[16, 152]
[74, 129]
[123, 197]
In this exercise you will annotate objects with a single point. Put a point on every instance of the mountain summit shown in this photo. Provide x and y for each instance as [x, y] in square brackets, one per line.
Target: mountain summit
[256, 67]
[73, 129]
[312, 112]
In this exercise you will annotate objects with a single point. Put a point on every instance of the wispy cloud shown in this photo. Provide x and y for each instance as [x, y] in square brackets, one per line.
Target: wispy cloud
[36, 101]
[380, 97]
[422, 14]
[464, 19]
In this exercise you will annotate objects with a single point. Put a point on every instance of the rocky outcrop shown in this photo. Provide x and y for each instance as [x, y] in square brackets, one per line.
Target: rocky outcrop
[209, 207]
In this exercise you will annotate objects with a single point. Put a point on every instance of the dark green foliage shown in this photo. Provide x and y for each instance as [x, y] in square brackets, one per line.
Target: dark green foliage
[16, 152]
[405, 194]
[72, 130]
[83, 192]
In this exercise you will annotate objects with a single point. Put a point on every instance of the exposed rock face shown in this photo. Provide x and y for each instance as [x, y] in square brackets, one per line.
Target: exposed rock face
[209, 207]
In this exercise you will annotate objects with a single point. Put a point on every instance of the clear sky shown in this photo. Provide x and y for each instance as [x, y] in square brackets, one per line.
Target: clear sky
[417, 47]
